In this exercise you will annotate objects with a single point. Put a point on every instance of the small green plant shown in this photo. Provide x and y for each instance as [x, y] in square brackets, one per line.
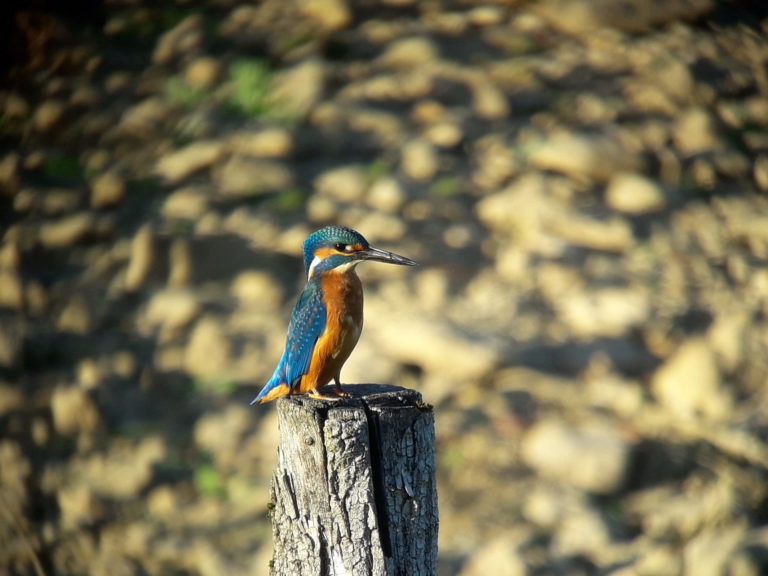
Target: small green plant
[251, 88]
[377, 170]
[209, 483]
[288, 200]
[220, 387]
[445, 187]
[61, 167]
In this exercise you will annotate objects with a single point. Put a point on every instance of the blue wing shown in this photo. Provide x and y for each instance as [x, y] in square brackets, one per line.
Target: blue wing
[306, 325]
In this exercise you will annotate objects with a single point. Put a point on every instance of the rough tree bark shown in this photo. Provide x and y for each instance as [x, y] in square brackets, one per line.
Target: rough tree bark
[354, 490]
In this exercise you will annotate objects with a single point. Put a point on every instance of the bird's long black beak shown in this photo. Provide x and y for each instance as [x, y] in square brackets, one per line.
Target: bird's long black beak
[377, 255]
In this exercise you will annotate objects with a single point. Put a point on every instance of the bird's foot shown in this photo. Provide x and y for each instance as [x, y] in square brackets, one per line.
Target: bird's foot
[317, 395]
[340, 393]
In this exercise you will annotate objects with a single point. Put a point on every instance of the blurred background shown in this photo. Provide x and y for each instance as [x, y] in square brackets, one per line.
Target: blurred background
[583, 183]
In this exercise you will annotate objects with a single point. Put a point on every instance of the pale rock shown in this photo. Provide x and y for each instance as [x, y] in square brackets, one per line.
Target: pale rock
[581, 532]
[728, 337]
[666, 510]
[269, 142]
[57, 201]
[607, 312]
[584, 17]
[581, 156]
[243, 176]
[488, 101]
[431, 344]
[11, 399]
[322, 209]
[25, 200]
[171, 309]
[300, 88]
[182, 163]
[202, 73]
[486, 15]
[48, 116]
[501, 556]
[760, 172]
[10, 256]
[688, 383]
[141, 260]
[116, 82]
[444, 134]
[79, 316]
[15, 470]
[522, 209]
[208, 353]
[9, 174]
[73, 411]
[593, 457]
[125, 470]
[709, 553]
[11, 289]
[383, 227]
[188, 203]
[78, 506]
[36, 297]
[386, 194]
[220, 433]
[15, 106]
[674, 77]
[658, 561]
[410, 52]
[695, 132]
[66, 231]
[107, 190]
[256, 289]
[85, 97]
[419, 160]
[145, 118]
[90, 374]
[163, 503]
[344, 184]
[610, 234]
[458, 236]
[634, 193]
[180, 267]
[180, 42]
[367, 365]
[330, 15]
[546, 506]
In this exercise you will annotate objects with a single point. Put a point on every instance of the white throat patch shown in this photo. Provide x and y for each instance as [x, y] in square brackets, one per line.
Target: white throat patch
[346, 267]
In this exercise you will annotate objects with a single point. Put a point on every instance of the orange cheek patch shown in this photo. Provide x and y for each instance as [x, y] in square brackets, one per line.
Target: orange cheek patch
[322, 253]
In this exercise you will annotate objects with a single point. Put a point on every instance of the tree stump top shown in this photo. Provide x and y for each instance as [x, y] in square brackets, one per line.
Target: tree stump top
[371, 396]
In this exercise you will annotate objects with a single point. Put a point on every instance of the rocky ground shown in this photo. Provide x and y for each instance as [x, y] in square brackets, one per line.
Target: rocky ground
[584, 185]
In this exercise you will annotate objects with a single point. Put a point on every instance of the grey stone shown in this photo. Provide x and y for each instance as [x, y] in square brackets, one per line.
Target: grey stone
[593, 457]
[107, 190]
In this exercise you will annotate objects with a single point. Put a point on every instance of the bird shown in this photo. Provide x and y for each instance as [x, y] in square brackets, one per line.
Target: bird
[327, 319]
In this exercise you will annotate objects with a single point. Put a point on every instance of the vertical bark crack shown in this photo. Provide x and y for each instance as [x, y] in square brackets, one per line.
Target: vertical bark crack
[377, 478]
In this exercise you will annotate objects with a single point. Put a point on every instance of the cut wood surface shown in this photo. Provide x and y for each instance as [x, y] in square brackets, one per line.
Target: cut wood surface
[354, 491]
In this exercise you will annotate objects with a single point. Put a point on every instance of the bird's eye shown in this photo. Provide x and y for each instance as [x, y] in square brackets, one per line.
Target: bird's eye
[342, 247]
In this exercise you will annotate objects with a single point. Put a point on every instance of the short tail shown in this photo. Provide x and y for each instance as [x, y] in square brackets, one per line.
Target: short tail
[275, 388]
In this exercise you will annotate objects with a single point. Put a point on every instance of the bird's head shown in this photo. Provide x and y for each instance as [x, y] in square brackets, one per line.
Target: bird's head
[336, 248]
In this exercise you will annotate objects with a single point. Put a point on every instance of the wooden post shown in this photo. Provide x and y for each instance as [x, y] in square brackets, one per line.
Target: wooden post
[354, 491]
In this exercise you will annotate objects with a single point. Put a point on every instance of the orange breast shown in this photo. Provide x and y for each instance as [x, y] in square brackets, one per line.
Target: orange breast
[343, 299]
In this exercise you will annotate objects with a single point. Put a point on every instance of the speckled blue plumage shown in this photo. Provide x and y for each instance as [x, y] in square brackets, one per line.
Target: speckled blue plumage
[306, 325]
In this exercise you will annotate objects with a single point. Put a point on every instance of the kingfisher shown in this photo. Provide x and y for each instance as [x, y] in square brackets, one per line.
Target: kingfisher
[328, 317]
